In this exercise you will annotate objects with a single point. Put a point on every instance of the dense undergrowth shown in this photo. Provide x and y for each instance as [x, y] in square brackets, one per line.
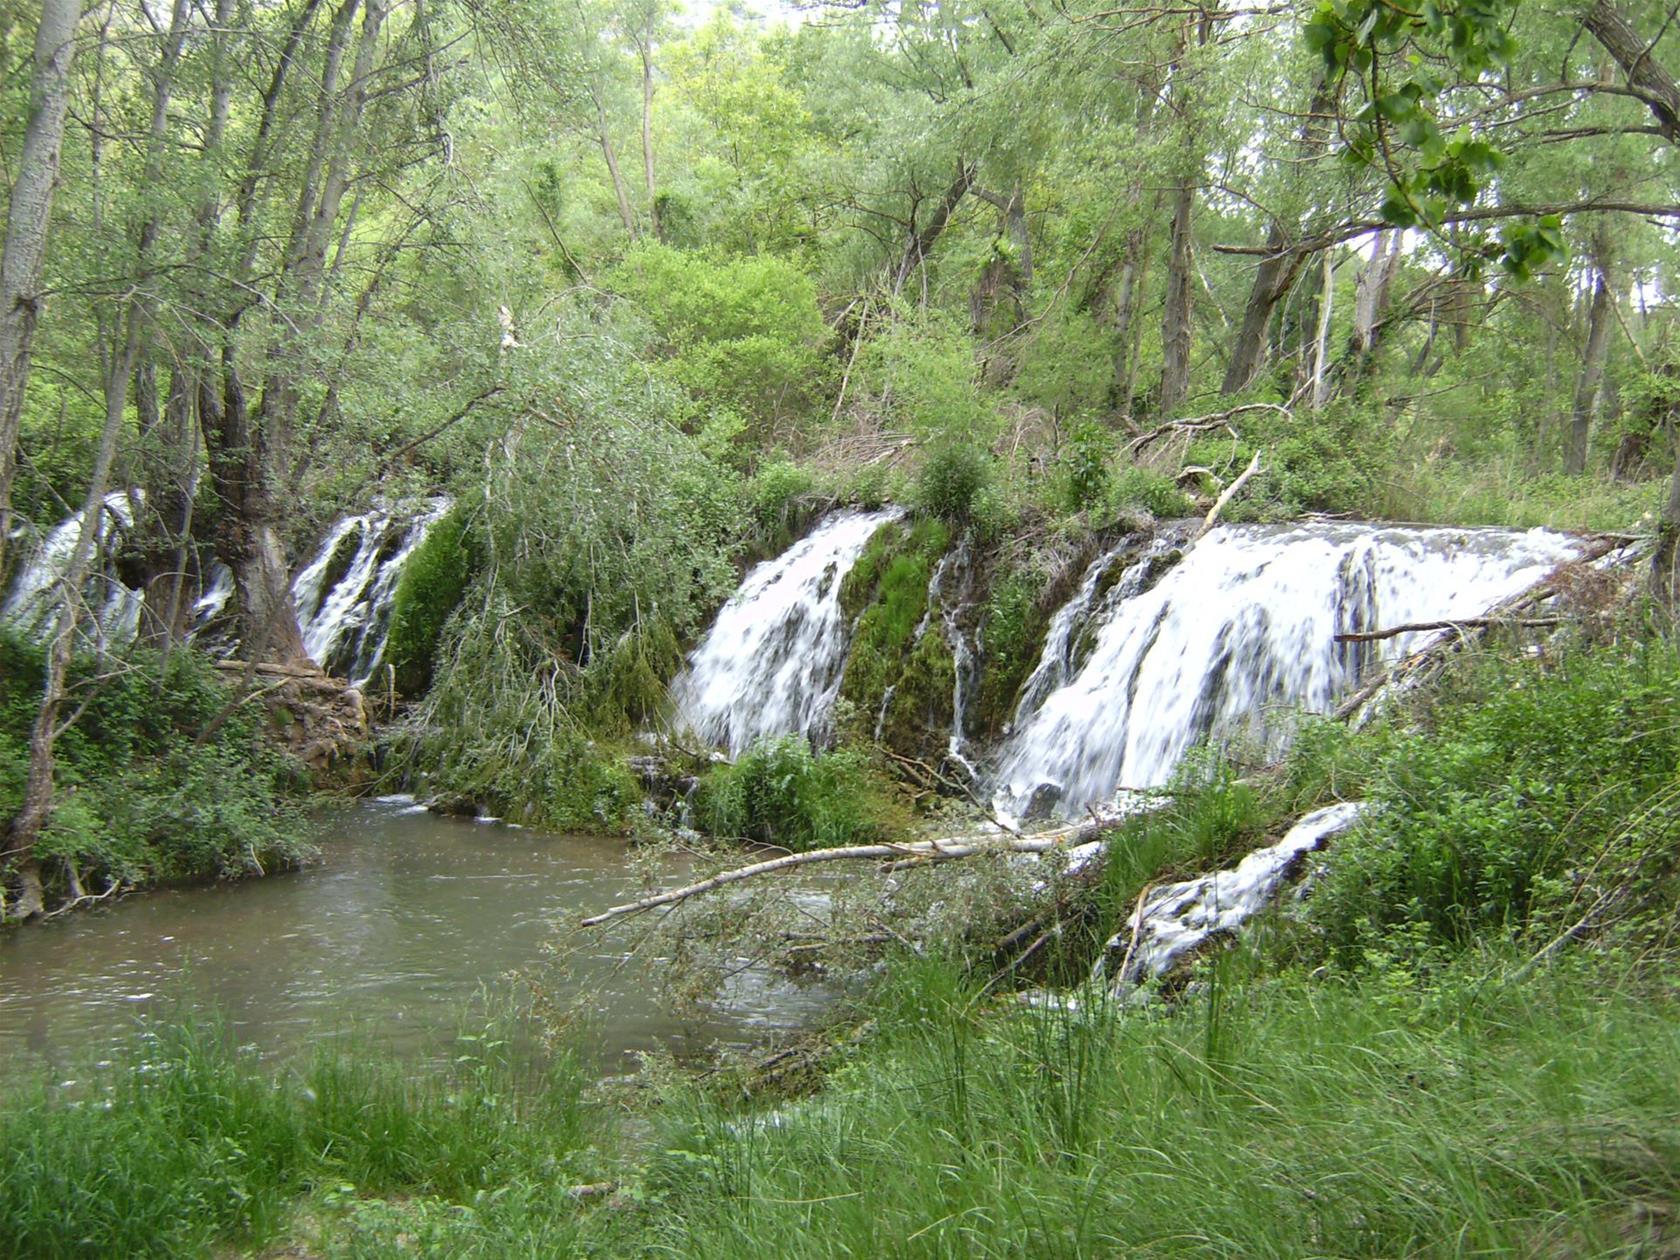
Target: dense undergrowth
[1465, 1042]
[165, 775]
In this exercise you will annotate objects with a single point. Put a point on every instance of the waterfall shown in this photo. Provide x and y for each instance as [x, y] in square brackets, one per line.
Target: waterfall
[346, 594]
[33, 603]
[1235, 640]
[965, 662]
[771, 663]
[1177, 919]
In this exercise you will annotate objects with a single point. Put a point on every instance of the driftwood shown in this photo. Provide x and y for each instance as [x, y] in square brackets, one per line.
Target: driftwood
[1228, 494]
[1462, 623]
[1201, 424]
[913, 852]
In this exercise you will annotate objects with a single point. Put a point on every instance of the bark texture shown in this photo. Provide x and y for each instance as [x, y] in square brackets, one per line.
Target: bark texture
[28, 216]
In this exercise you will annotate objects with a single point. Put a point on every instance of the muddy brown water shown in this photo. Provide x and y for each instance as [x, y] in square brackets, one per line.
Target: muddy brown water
[396, 938]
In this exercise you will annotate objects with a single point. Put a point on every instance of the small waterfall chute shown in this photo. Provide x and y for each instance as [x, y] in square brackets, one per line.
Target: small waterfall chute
[32, 604]
[346, 594]
[1234, 640]
[772, 660]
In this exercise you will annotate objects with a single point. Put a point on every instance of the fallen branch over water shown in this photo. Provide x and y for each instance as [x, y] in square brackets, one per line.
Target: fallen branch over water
[1430, 658]
[1461, 623]
[914, 852]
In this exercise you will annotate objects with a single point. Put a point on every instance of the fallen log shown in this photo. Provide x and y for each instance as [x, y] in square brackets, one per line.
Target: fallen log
[1461, 623]
[912, 852]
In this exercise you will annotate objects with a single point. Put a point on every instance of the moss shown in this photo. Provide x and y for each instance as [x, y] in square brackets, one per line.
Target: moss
[431, 586]
[886, 594]
[1011, 639]
[919, 716]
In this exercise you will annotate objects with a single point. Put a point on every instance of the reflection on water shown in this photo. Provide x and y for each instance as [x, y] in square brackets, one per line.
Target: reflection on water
[394, 934]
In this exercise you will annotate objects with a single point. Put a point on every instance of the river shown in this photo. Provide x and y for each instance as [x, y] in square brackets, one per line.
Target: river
[394, 937]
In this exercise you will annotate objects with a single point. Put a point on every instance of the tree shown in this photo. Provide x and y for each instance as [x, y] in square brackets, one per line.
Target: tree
[28, 215]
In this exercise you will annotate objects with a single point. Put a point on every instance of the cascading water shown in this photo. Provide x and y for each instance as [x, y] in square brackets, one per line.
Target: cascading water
[954, 572]
[1235, 639]
[771, 663]
[33, 603]
[345, 595]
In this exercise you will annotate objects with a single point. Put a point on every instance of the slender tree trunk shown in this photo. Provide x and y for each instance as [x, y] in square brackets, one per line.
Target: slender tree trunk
[1272, 280]
[1321, 342]
[24, 828]
[922, 240]
[1175, 320]
[646, 49]
[1370, 292]
[1599, 318]
[626, 215]
[27, 217]
[1279, 267]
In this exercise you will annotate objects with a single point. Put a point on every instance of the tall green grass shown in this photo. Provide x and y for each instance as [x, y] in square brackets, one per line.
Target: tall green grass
[1286, 1119]
[186, 1143]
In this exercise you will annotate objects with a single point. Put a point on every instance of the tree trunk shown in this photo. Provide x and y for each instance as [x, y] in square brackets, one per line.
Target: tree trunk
[1278, 269]
[1370, 292]
[1321, 342]
[1656, 86]
[626, 215]
[27, 217]
[1175, 320]
[1665, 561]
[24, 828]
[922, 240]
[646, 49]
[1599, 317]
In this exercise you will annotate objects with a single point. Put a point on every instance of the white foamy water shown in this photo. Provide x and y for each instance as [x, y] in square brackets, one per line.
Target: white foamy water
[1235, 641]
[346, 625]
[1179, 918]
[36, 596]
[771, 663]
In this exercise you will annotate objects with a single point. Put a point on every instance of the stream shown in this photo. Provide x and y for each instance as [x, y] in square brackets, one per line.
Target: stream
[392, 937]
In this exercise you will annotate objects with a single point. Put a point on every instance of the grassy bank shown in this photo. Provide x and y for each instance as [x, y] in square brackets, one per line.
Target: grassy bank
[1466, 1042]
[166, 774]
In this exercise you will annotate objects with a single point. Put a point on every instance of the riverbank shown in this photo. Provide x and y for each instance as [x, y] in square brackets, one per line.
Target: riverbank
[1465, 1041]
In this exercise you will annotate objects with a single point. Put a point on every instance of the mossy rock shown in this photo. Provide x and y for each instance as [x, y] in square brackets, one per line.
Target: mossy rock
[430, 589]
[919, 716]
[1011, 638]
[885, 595]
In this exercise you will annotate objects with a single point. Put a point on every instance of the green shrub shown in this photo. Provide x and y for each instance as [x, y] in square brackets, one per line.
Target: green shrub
[138, 797]
[431, 586]
[1084, 465]
[1537, 799]
[746, 332]
[780, 792]
[1153, 492]
[951, 479]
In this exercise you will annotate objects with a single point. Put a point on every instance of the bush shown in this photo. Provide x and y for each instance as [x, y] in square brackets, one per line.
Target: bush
[780, 792]
[139, 798]
[743, 331]
[951, 480]
[1153, 492]
[1084, 465]
[1537, 799]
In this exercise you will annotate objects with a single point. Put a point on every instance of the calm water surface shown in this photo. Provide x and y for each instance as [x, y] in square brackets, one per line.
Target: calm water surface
[405, 922]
